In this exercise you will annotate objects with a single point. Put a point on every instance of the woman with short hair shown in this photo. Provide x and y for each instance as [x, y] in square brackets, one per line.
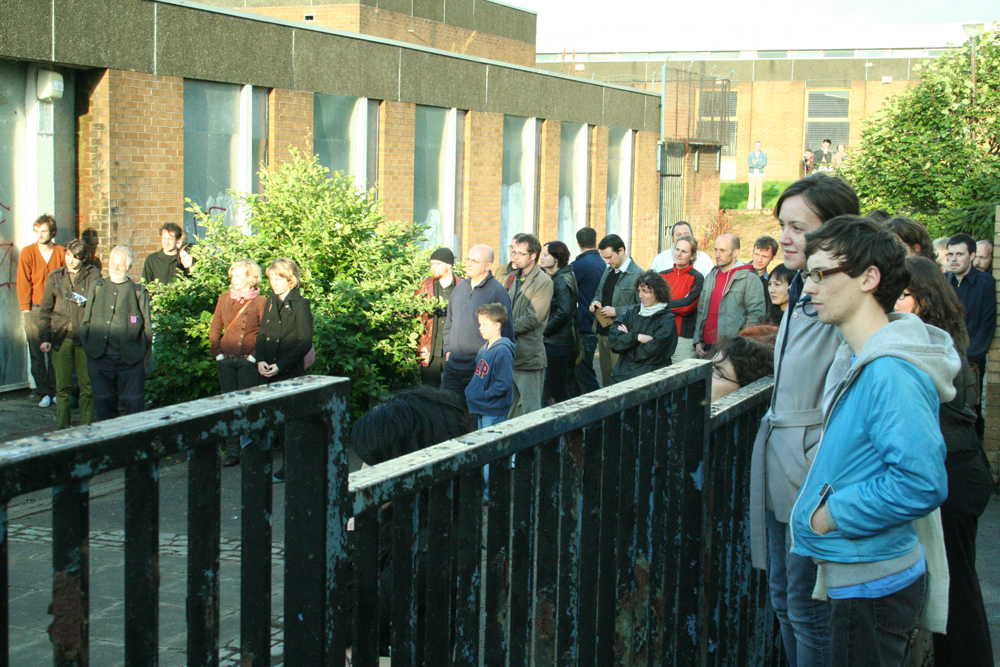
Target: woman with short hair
[930, 297]
[561, 330]
[233, 337]
[644, 335]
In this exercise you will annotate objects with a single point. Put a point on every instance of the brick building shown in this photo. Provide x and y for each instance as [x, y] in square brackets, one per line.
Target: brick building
[436, 104]
[789, 100]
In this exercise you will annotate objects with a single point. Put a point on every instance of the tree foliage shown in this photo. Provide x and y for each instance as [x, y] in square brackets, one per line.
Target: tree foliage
[931, 152]
[359, 271]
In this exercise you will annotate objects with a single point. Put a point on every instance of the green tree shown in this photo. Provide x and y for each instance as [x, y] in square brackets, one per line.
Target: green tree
[932, 152]
[359, 271]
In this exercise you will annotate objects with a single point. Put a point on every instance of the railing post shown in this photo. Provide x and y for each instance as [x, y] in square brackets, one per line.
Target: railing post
[317, 507]
[70, 574]
[204, 531]
[142, 568]
[255, 558]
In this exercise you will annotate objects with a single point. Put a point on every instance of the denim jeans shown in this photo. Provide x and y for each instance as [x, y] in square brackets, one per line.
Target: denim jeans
[491, 420]
[876, 632]
[113, 380]
[805, 623]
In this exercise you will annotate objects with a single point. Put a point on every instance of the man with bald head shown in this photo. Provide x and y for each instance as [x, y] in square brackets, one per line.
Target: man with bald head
[116, 334]
[461, 326]
[732, 299]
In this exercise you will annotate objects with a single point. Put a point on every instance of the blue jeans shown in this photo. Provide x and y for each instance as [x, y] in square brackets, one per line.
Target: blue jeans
[805, 623]
[491, 420]
[876, 632]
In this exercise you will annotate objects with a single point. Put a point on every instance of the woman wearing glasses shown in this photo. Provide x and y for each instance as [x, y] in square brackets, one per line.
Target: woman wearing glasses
[931, 298]
[644, 335]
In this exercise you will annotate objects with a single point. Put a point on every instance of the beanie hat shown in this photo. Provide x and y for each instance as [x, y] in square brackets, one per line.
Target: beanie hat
[444, 255]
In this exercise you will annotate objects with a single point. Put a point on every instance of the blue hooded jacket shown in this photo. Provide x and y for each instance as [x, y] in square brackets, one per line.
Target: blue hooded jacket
[491, 391]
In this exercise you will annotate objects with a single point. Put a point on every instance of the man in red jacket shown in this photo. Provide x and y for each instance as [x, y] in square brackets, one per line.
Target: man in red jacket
[33, 267]
[431, 344]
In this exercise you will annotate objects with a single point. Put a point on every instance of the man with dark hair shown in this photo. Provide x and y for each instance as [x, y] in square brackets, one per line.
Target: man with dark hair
[823, 157]
[790, 430]
[881, 465]
[171, 260]
[462, 340]
[431, 343]
[588, 267]
[530, 291]
[665, 260]
[977, 292]
[984, 256]
[116, 334]
[732, 299]
[764, 250]
[33, 267]
[615, 290]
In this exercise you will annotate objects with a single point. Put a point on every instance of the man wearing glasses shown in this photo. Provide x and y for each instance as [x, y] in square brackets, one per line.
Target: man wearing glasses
[530, 291]
[461, 326]
[880, 463]
[788, 434]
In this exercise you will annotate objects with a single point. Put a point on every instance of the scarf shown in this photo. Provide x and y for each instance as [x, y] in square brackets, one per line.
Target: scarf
[652, 310]
[243, 295]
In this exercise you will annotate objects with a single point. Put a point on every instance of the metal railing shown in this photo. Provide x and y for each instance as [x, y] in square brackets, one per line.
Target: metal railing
[605, 530]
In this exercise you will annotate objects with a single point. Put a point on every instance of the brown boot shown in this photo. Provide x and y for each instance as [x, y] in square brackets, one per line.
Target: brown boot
[232, 453]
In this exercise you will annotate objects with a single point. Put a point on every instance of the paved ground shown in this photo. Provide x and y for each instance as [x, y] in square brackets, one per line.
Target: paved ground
[31, 560]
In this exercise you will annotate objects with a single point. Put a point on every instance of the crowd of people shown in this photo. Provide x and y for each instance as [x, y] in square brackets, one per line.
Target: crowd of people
[868, 473]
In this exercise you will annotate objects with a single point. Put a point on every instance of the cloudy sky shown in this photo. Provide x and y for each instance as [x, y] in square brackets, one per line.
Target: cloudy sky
[644, 25]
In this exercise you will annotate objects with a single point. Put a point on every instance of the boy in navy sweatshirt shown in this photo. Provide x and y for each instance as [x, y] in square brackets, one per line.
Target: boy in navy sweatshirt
[491, 392]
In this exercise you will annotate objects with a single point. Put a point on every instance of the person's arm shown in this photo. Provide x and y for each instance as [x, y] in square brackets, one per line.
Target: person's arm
[85, 324]
[688, 304]
[215, 329]
[537, 313]
[979, 342]
[302, 337]
[663, 344]
[754, 301]
[905, 431]
[699, 323]
[147, 323]
[503, 374]
[621, 338]
[762, 162]
[446, 332]
[45, 314]
[750, 160]
[24, 271]
[147, 270]
[563, 308]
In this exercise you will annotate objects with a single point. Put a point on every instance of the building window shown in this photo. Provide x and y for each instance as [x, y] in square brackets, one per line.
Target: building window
[620, 153]
[437, 141]
[716, 107]
[517, 191]
[828, 118]
[572, 181]
[344, 132]
[211, 149]
[258, 136]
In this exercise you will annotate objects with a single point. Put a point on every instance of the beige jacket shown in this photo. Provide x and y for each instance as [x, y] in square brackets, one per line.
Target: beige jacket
[530, 303]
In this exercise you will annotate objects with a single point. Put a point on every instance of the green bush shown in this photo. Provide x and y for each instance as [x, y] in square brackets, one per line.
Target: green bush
[359, 271]
[735, 195]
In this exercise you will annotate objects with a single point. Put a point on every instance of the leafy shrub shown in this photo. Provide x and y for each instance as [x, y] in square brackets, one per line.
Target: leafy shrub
[359, 271]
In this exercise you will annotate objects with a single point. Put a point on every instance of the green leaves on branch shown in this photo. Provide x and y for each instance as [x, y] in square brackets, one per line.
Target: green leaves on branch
[359, 271]
[933, 153]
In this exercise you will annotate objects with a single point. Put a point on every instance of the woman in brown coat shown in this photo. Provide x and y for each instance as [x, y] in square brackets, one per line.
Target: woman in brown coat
[233, 336]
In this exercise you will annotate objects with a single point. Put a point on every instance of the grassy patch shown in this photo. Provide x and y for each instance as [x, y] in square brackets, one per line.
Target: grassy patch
[735, 195]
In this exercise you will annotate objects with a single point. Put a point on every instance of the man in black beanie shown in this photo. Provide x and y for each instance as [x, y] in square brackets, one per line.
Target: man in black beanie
[440, 284]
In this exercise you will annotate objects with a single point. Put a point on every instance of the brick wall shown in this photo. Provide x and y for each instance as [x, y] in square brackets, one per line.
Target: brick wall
[597, 207]
[992, 408]
[867, 97]
[392, 25]
[645, 200]
[132, 143]
[396, 141]
[548, 190]
[701, 189]
[290, 124]
[482, 181]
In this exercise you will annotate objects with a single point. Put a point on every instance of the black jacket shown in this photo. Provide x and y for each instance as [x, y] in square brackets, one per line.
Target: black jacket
[286, 334]
[62, 312]
[977, 292]
[639, 358]
[563, 311]
[125, 320]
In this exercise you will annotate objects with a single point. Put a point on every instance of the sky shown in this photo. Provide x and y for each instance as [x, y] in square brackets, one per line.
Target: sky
[644, 25]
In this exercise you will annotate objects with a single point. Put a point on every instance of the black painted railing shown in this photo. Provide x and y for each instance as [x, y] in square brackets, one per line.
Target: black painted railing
[609, 529]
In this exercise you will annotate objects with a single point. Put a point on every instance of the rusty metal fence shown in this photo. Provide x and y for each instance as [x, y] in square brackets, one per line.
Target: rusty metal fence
[606, 530]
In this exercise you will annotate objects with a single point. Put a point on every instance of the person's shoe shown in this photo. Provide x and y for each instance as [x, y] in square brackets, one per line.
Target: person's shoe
[45, 402]
[278, 477]
[232, 453]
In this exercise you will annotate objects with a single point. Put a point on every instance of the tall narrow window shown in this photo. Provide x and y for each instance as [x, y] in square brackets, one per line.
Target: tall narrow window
[342, 136]
[572, 181]
[211, 149]
[435, 169]
[517, 208]
[828, 118]
[620, 183]
[13, 350]
[258, 137]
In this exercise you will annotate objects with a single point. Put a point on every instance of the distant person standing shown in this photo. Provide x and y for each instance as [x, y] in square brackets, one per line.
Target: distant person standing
[171, 260]
[439, 285]
[840, 156]
[588, 269]
[116, 334]
[615, 291]
[33, 267]
[807, 162]
[60, 319]
[823, 158]
[756, 161]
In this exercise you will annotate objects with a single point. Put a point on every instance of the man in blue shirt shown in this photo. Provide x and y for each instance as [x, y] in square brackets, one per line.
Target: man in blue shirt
[756, 161]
